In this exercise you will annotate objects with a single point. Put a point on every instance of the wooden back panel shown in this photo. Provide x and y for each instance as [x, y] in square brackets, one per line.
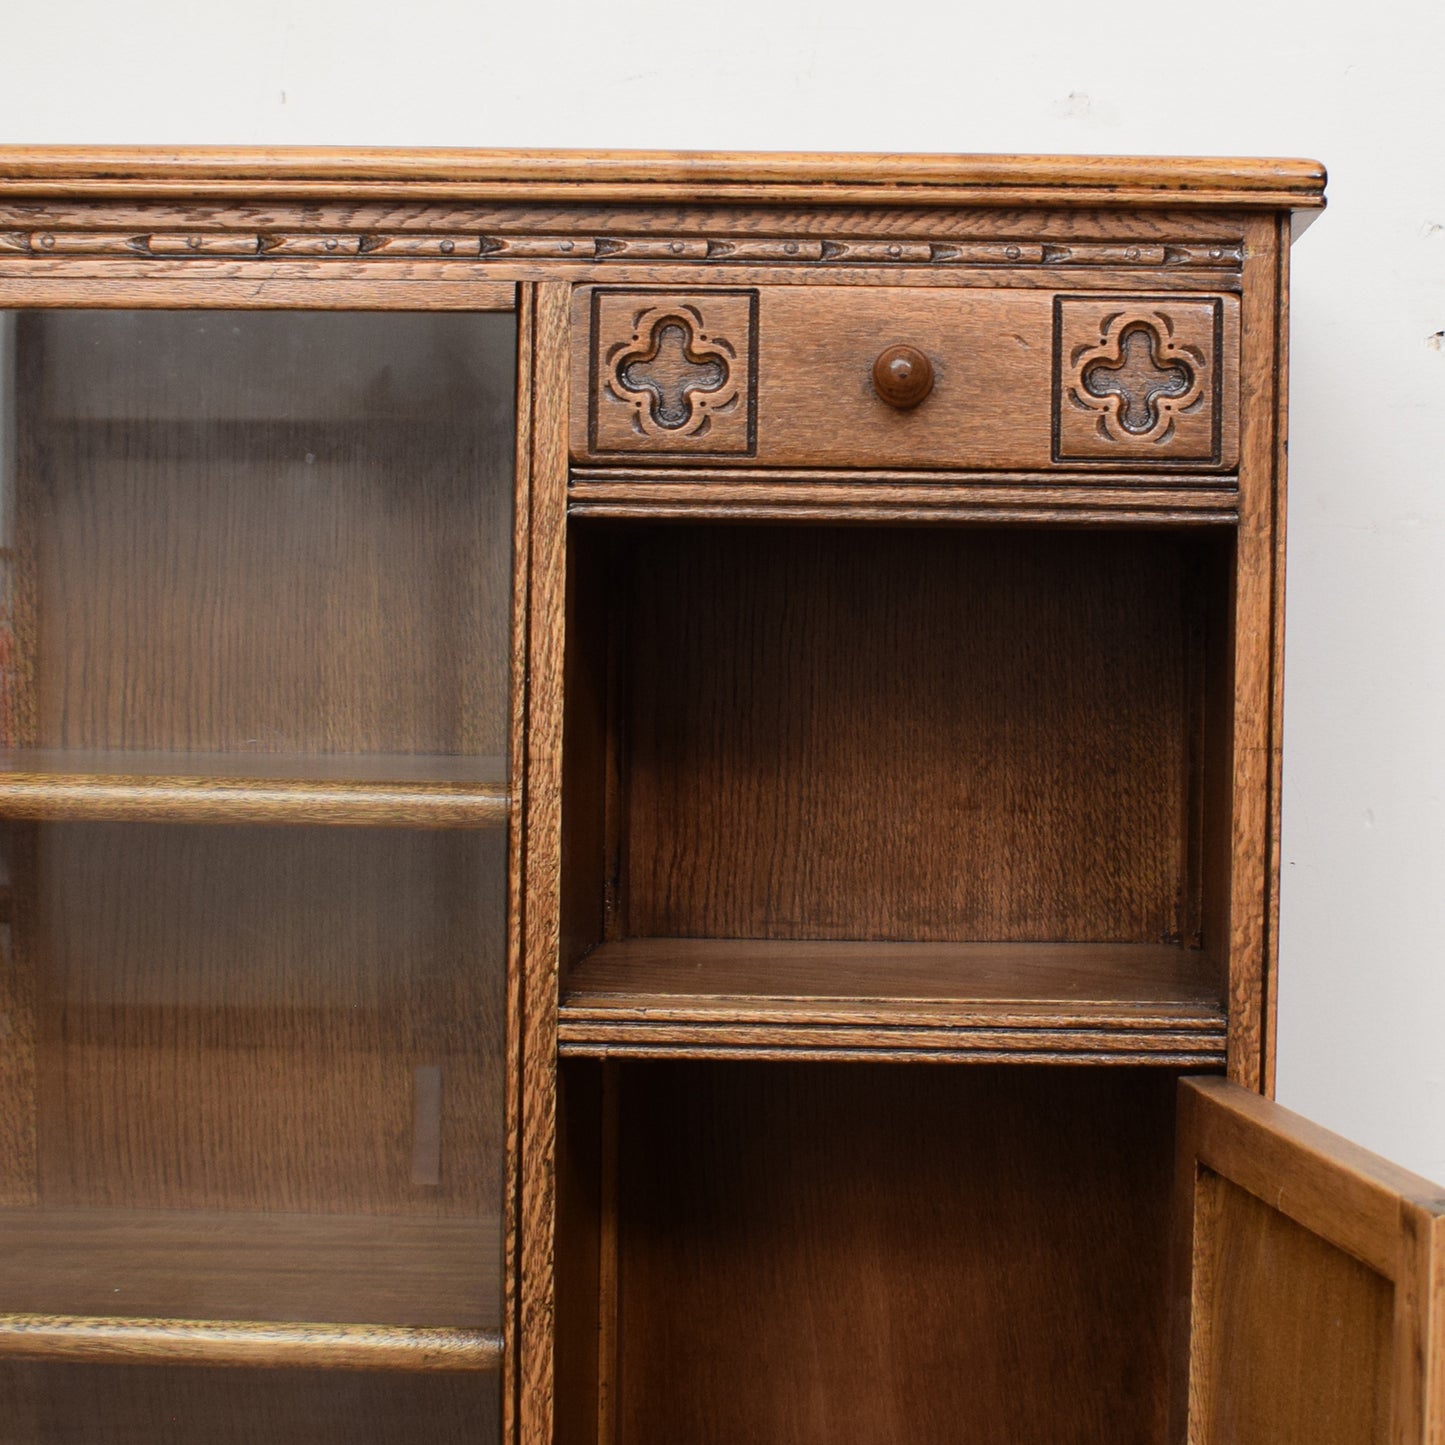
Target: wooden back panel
[889, 1254]
[929, 736]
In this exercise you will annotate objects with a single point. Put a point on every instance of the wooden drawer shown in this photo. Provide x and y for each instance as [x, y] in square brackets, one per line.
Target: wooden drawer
[1021, 380]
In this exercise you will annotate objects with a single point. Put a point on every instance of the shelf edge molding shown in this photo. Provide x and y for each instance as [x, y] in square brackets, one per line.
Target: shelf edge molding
[91, 798]
[248, 1344]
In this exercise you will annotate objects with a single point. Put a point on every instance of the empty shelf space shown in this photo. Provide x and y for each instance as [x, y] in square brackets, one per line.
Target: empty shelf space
[423, 791]
[656, 997]
[404, 1291]
[169, 1269]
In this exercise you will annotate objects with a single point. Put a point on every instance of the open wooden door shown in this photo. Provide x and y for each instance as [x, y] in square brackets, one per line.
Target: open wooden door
[1311, 1305]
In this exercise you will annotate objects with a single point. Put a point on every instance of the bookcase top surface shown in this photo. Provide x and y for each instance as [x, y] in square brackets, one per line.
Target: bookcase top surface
[210, 172]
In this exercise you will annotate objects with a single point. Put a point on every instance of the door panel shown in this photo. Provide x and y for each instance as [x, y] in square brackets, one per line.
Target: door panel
[1312, 1283]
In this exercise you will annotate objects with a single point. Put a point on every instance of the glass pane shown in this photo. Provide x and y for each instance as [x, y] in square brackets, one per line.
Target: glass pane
[256, 532]
[131, 1405]
[255, 576]
[253, 1073]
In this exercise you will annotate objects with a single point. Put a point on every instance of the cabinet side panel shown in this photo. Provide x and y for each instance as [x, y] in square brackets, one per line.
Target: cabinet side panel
[1252, 855]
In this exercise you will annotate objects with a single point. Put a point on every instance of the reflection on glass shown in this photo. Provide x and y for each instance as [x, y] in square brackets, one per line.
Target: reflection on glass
[257, 532]
[254, 1073]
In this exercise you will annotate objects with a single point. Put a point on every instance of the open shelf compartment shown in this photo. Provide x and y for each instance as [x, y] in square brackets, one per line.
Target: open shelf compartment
[949, 792]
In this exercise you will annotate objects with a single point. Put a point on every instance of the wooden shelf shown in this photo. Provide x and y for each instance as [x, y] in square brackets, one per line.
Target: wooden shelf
[417, 1294]
[263, 1346]
[1021, 1002]
[331, 789]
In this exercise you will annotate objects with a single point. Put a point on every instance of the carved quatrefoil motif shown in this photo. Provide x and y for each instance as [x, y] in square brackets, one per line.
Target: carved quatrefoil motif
[672, 372]
[1148, 387]
[674, 376]
[1137, 378]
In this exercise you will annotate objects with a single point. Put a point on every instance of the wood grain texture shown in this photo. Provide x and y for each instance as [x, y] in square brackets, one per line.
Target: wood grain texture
[551, 341]
[365, 791]
[582, 1197]
[991, 406]
[242, 545]
[639, 996]
[974, 230]
[517, 864]
[834, 1253]
[1256, 662]
[231, 1018]
[71, 1404]
[1033, 789]
[19, 1074]
[1308, 1280]
[264, 1346]
[1298, 1333]
[1276, 738]
[382, 1270]
[158, 285]
[209, 172]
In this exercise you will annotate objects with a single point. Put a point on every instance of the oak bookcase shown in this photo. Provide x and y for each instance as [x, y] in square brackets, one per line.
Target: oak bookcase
[639, 805]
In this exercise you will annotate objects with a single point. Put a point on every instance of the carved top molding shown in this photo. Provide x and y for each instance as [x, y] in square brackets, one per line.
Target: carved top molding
[470, 246]
[216, 173]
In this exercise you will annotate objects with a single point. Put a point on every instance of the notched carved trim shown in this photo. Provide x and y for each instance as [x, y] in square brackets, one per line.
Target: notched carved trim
[713, 250]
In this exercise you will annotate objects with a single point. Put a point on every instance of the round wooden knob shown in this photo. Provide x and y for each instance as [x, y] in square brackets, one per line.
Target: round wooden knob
[902, 376]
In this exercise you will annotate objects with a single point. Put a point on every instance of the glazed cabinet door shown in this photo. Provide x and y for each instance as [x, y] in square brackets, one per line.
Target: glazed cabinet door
[255, 800]
[1313, 1305]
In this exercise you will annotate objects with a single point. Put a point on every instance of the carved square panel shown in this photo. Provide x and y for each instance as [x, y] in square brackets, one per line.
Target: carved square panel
[673, 372]
[1139, 379]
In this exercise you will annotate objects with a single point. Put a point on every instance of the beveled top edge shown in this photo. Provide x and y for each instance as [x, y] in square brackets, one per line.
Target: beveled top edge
[226, 172]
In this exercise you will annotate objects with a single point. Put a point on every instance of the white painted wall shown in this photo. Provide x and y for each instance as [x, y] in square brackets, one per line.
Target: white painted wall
[1362, 1028]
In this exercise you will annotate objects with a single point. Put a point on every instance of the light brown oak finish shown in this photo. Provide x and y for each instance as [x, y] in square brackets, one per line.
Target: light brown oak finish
[1309, 1278]
[840, 1252]
[794, 381]
[238, 1343]
[383, 1270]
[771, 723]
[1139, 1003]
[400, 791]
[207, 172]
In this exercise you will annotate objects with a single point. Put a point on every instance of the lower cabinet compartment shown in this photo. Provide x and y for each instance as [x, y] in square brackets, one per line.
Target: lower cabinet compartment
[69, 1404]
[863, 1253]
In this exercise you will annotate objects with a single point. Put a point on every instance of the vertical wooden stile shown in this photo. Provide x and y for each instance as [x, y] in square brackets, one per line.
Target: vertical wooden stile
[609, 1302]
[516, 858]
[542, 929]
[1254, 664]
[1276, 739]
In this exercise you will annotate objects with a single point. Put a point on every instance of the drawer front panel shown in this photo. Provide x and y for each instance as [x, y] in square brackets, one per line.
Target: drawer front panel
[1020, 380]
